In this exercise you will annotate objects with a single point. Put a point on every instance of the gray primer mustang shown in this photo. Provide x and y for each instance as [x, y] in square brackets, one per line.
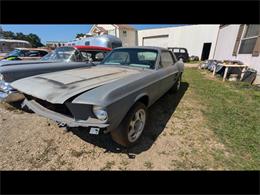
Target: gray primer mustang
[110, 97]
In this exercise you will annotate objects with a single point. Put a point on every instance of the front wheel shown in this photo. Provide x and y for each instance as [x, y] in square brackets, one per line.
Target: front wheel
[132, 126]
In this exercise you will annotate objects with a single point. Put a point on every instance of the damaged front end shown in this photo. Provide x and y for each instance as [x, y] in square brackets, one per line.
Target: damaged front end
[67, 114]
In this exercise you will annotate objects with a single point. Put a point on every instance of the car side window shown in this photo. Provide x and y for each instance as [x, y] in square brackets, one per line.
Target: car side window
[166, 59]
[176, 50]
[174, 58]
[33, 54]
[182, 51]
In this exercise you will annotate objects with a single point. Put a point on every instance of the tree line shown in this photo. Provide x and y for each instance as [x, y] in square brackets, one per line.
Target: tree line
[31, 38]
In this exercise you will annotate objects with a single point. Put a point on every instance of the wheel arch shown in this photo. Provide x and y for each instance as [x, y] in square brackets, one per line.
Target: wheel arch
[143, 98]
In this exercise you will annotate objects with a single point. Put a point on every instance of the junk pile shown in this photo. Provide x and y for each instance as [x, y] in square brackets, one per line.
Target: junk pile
[233, 73]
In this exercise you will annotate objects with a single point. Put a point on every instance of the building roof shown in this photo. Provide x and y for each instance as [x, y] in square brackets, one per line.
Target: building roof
[98, 29]
[122, 26]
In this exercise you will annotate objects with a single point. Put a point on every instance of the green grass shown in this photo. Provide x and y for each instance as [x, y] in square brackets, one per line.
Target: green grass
[194, 62]
[232, 111]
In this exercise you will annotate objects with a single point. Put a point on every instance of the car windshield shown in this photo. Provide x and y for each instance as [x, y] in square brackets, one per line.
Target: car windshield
[60, 54]
[143, 58]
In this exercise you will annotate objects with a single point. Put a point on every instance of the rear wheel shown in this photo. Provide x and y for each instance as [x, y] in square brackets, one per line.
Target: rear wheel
[177, 85]
[132, 126]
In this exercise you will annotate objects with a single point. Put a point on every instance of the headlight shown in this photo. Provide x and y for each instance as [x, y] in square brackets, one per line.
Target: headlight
[100, 113]
[5, 87]
[1, 77]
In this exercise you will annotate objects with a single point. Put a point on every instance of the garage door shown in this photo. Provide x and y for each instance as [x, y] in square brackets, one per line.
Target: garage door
[159, 41]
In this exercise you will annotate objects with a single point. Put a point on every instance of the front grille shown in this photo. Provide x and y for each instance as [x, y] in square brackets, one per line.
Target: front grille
[60, 108]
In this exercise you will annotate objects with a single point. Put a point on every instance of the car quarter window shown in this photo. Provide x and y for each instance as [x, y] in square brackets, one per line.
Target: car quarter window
[166, 59]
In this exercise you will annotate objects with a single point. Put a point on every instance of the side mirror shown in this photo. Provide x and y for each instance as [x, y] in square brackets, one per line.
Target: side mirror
[100, 56]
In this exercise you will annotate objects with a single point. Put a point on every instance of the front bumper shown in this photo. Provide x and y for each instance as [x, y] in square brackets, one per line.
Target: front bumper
[12, 96]
[8, 94]
[68, 121]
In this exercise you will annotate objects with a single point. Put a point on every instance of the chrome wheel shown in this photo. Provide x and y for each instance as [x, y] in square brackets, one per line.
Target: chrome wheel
[136, 125]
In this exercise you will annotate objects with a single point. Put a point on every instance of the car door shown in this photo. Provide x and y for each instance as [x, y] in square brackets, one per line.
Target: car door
[167, 71]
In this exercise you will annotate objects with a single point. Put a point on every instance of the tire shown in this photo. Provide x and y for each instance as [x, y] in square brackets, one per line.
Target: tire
[177, 85]
[122, 135]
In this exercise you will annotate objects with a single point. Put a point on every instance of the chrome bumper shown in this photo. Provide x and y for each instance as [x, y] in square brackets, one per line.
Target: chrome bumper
[12, 96]
[8, 94]
[68, 121]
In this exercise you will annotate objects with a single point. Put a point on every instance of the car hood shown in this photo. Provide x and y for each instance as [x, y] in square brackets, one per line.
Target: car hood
[58, 87]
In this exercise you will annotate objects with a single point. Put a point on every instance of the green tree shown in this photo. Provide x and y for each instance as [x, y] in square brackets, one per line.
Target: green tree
[8, 34]
[34, 40]
[31, 38]
[80, 35]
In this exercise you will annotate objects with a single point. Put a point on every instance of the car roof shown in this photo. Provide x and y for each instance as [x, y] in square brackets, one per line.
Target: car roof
[83, 47]
[143, 47]
[32, 49]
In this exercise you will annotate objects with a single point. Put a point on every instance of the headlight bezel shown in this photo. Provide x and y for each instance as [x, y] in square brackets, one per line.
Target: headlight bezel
[100, 113]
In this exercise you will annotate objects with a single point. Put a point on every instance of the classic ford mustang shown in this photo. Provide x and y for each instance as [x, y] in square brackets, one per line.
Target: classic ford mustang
[110, 97]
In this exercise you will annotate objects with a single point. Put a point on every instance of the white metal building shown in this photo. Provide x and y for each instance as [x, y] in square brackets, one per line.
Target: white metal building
[240, 42]
[199, 40]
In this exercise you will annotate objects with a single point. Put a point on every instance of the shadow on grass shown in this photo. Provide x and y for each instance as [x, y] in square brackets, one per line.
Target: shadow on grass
[159, 114]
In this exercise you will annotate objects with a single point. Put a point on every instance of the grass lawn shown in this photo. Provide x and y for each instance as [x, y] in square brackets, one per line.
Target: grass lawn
[194, 62]
[232, 112]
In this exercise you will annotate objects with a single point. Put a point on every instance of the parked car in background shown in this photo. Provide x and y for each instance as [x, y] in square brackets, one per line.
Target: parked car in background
[78, 53]
[62, 58]
[26, 54]
[180, 53]
[8, 45]
[111, 97]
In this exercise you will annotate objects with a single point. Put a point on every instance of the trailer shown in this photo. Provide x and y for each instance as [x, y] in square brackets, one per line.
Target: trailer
[109, 41]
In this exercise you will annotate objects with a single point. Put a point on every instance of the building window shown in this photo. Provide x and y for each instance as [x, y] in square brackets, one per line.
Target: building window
[112, 32]
[249, 40]
[124, 33]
